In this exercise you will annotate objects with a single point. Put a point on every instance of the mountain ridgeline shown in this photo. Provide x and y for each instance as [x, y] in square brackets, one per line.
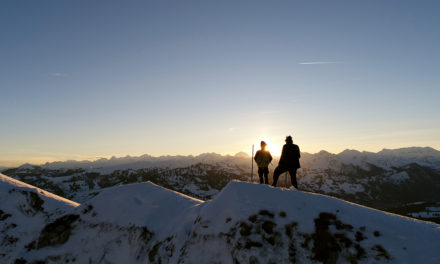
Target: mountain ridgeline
[405, 181]
[243, 223]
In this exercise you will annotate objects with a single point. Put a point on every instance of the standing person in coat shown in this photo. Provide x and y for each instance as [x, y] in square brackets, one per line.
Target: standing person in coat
[263, 159]
[289, 161]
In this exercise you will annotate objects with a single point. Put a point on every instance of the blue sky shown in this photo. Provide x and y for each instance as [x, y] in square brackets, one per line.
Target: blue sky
[87, 79]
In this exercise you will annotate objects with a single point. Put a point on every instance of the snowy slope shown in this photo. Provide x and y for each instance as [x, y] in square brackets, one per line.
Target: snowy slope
[126, 224]
[244, 223]
[388, 180]
[25, 209]
[141, 204]
[278, 225]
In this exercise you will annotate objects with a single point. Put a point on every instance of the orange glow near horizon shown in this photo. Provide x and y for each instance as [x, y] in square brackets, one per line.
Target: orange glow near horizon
[274, 149]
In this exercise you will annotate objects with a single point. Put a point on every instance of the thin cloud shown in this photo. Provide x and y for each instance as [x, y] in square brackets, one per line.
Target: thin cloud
[59, 74]
[319, 62]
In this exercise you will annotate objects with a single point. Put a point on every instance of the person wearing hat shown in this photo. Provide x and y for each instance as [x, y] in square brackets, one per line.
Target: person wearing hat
[289, 161]
[263, 159]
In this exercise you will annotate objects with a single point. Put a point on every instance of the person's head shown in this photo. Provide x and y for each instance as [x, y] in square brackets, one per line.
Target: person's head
[289, 140]
[263, 145]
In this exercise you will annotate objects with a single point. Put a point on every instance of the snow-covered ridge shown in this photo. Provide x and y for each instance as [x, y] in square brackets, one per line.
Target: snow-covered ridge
[141, 204]
[385, 158]
[7, 184]
[24, 211]
[146, 223]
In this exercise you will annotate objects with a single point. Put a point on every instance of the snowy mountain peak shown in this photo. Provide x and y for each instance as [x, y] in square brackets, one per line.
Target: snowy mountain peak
[27, 166]
[211, 155]
[411, 151]
[9, 185]
[350, 152]
[244, 223]
[24, 211]
[386, 157]
[242, 155]
[140, 204]
[324, 153]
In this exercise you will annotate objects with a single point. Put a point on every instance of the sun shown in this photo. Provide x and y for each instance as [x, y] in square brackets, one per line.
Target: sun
[273, 148]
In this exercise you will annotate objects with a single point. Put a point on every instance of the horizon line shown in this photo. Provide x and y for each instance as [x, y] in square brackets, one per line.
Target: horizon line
[197, 155]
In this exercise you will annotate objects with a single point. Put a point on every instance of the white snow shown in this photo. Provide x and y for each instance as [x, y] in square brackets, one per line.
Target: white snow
[187, 230]
[350, 188]
[24, 211]
[239, 200]
[399, 177]
[8, 183]
[142, 204]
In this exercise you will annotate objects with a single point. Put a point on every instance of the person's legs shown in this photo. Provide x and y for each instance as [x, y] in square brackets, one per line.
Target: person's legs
[277, 172]
[266, 175]
[260, 174]
[292, 173]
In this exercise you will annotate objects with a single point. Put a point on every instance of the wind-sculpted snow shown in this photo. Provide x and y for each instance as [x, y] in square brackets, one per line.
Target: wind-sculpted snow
[24, 210]
[125, 224]
[142, 203]
[244, 223]
[261, 224]
[10, 185]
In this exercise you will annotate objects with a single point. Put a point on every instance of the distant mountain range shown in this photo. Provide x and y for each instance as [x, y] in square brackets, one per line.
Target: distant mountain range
[386, 157]
[388, 180]
[2, 168]
[243, 223]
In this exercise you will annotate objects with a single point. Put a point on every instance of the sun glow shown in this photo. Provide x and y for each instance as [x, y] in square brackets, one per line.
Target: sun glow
[274, 149]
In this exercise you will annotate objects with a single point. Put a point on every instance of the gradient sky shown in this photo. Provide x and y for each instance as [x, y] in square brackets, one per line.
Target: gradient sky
[87, 79]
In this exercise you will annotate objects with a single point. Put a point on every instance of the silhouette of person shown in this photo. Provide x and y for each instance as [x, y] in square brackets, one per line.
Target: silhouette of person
[289, 161]
[263, 159]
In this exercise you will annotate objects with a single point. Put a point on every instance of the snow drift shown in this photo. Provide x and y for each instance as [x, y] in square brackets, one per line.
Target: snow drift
[244, 223]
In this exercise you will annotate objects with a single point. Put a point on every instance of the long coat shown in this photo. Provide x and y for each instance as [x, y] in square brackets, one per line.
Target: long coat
[290, 156]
